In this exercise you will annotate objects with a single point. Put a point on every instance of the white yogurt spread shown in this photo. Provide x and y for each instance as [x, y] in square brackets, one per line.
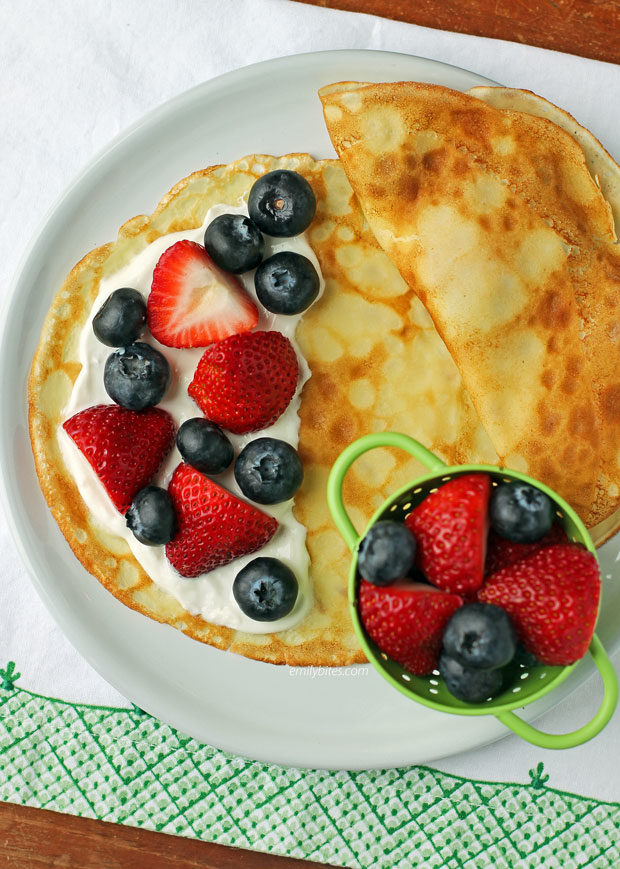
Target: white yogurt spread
[209, 595]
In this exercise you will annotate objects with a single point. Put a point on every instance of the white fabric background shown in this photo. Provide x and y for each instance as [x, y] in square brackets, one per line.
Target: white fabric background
[73, 75]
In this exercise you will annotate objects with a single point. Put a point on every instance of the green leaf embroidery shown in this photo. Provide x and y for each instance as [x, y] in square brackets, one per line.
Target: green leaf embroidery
[537, 777]
[9, 676]
[137, 710]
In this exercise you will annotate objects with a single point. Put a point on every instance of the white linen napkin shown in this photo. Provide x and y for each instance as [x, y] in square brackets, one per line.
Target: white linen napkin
[74, 75]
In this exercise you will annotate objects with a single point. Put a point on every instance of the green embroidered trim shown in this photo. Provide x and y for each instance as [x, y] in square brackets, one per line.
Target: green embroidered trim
[138, 711]
[9, 676]
[537, 777]
[122, 765]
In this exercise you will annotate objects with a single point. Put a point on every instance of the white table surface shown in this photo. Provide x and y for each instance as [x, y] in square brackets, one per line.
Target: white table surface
[73, 75]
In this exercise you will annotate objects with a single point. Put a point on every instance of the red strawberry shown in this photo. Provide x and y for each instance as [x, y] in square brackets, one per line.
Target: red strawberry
[246, 382]
[193, 302]
[407, 620]
[552, 598]
[503, 553]
[125, 447]
[214, 527]
[451, 529]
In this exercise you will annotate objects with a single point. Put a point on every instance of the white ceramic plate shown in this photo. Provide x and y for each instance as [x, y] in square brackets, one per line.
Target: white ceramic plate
[298, 717]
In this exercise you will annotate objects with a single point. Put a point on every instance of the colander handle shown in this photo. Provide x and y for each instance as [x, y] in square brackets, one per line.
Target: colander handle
[576, 737]
[353, 452]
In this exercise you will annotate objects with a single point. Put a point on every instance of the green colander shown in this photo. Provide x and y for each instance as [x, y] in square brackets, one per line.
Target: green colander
[531, 682]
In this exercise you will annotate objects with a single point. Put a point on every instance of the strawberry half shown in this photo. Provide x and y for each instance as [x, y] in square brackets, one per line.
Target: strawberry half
[193, 302]
[451, 527]
[246, 382]
[125, 448]
[406, 621]
[214, 527]
[502, 553]
[552, 598]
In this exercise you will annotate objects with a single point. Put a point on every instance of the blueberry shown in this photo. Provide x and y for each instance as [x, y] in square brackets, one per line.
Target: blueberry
[386, 553]
[523, 656]
[151, 516]
[286, 283]
[282, 203]
[520, 512]
[268, 471]
[480, 636]
[472, 686]
[204, 446]
[136, 376]
[265, 589]
[234, 243]
[121, 319]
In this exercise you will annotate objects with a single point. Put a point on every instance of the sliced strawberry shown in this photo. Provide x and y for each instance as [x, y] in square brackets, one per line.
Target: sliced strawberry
[451, 527]
[246, 382]
[214, 527]
[503, 553]
[552, 598]
[406, 621]
[126, 448]
[193, 302]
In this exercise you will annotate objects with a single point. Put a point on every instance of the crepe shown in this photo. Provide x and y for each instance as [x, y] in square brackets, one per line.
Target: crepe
[496, 223]
[377, 363]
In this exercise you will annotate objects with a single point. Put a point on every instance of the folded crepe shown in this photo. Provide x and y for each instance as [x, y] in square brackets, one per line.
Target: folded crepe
[494, 219]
